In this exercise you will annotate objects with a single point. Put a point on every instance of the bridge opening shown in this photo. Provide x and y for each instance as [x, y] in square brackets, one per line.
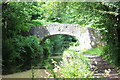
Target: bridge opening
[58, 43]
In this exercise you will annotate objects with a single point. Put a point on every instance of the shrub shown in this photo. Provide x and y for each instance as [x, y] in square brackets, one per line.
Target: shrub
[73, 65]
[21, 53]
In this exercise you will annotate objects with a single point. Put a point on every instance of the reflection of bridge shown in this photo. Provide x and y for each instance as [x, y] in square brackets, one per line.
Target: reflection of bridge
[83, 34]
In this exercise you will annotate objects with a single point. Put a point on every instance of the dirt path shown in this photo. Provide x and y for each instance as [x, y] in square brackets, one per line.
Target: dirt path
[103, 68]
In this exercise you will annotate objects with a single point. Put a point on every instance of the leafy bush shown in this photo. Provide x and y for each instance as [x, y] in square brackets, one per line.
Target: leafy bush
[73, 65]
[110, 57]
[21, 53]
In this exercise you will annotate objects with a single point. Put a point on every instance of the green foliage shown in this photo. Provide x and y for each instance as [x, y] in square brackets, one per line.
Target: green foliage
[19, 48]
[97, 51]
[15, 18]
[18, 17]
[21, 52]
[38, 22]
[103, 16]
[73, 65]
[58, 43]
[112, 55]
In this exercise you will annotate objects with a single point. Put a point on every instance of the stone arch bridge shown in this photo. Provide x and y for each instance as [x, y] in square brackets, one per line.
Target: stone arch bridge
[86, 36]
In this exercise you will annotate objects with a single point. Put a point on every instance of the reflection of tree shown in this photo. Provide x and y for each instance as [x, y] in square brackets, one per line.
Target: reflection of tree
[58, 43]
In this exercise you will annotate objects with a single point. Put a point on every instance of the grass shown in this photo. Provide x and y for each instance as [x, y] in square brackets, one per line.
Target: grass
[96, 51]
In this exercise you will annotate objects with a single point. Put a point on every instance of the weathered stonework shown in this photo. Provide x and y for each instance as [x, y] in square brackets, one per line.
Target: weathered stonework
[85, 35]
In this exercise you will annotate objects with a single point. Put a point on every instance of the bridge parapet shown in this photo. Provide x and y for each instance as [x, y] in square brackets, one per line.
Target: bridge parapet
[83, 34]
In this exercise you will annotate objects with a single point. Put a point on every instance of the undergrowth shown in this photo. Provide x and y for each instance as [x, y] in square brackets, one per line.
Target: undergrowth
[73, 65]
[96, 51]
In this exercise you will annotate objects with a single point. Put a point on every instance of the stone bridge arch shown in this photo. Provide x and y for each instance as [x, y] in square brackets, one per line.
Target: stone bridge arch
[57, 34]
[83, 34]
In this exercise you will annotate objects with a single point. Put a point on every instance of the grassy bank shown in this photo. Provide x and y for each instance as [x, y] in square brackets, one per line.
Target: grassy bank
[96, 51]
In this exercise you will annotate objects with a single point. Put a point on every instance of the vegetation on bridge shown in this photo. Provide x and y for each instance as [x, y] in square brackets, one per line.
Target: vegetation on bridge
[20, 47]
